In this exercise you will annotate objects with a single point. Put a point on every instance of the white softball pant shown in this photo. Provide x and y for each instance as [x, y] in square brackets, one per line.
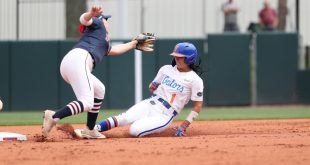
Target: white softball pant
[147, 117]
[76, 68]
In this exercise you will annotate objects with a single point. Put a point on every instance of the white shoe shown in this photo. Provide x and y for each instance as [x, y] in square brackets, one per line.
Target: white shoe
[48, 122]
[98, 128]
[86, 133]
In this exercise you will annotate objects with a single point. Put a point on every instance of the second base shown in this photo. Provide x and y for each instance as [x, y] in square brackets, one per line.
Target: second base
[8, 136]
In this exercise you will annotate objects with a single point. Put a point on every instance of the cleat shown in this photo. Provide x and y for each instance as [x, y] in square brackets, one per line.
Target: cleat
[98, 127]
[48, 122]
[88, 134]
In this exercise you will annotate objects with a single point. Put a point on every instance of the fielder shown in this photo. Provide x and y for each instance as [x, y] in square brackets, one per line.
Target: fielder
[77, 65]
[172, 88]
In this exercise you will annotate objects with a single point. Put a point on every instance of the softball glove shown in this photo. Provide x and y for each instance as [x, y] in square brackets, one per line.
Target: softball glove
[145, 42]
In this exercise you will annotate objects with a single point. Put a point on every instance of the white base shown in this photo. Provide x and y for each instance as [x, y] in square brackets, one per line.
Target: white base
[8, 136]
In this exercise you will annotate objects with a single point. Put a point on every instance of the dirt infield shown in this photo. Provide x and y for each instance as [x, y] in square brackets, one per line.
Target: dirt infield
[245, 142]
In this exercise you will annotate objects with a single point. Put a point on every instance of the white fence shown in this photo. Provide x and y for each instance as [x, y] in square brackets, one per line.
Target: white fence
[45, 19]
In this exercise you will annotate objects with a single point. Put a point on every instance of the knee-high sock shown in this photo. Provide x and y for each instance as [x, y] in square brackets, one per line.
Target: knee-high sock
[73, 108]
[93, 114]
[108, 123]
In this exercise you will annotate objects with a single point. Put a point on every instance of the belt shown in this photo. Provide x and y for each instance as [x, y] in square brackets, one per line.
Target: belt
[165, 104]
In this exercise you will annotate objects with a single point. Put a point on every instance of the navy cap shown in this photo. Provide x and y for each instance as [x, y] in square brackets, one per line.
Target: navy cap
[106, 17]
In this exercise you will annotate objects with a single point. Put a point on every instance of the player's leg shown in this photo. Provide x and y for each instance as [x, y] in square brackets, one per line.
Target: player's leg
[138, 111]
[99, 91]
[89, 132]
[76, 70]
[150, 125]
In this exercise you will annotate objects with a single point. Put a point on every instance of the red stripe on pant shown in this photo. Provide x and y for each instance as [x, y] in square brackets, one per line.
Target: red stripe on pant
[108, 124]
[115, 121]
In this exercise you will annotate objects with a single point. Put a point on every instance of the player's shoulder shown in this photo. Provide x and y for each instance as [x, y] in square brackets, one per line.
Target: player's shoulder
[196, 77]
[166, 67]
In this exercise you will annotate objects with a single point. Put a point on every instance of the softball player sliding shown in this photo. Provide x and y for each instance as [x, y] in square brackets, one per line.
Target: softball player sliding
[172, 89]
[76, 68]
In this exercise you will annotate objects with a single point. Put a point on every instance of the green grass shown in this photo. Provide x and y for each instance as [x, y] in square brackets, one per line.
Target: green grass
[247, 113]
[222, 113]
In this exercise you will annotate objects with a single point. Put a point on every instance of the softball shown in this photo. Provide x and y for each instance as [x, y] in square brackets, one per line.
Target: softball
[1, 105]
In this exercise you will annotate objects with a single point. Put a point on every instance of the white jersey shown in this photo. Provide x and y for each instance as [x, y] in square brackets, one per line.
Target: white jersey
[177, 87]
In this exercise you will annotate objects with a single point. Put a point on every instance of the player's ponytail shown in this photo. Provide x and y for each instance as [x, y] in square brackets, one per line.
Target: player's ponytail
[197, 68]
[173, 63]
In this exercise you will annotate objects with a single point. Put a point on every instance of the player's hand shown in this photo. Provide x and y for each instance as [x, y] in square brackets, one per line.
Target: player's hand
[181, 130]
[96, 10]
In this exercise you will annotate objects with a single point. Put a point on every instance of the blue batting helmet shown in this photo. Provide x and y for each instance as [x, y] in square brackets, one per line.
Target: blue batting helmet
[187, 50]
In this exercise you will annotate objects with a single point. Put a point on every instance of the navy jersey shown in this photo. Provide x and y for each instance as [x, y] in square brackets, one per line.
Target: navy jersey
[95, 40]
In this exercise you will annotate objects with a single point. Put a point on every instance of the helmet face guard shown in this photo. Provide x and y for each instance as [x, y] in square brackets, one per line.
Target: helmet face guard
[186, 50]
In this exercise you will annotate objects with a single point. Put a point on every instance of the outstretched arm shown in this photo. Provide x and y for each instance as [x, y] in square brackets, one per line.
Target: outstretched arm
[122, 48]
[143, 42]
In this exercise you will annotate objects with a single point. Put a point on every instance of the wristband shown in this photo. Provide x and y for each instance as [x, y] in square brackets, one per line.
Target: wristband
[192, 116]
[153, 86]
[185, 124]
[84, 22]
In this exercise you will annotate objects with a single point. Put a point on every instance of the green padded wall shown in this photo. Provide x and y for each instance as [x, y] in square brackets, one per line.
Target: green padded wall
[5, 75]
[121, 81]
[276, 68]
[149, 70]
[303, 86]
[34, 75]
[228, 69]
[31, 79]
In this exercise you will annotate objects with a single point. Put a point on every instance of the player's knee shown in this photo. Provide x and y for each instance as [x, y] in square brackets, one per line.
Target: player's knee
[101, 91]
[87, 104]
[135, 131]
[122, 121]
